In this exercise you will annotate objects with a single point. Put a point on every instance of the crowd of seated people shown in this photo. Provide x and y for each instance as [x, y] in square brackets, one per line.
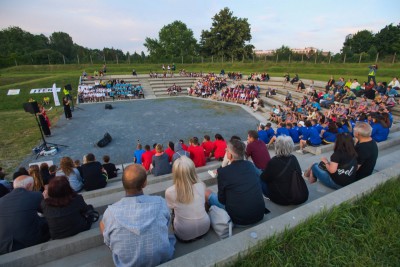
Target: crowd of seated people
[235, 75]
[259, 77]
[57, 196]
[208, 86]
[338, 118]
[174, 89]
[185, 73]
[115, 89]
[52, 192]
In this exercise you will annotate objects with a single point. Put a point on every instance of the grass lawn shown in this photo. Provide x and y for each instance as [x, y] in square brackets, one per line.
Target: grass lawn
[363, 233]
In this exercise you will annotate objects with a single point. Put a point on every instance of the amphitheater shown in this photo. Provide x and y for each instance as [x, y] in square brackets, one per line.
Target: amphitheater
[88, 249]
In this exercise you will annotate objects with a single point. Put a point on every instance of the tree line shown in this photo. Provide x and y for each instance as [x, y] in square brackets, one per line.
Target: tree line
[227, 40]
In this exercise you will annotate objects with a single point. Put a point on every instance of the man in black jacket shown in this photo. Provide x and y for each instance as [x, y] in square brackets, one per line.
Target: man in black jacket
[93, 174]
[20, 225]
[239, 189]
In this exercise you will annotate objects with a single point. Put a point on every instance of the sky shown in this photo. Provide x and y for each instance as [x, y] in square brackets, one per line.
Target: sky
[124, 24]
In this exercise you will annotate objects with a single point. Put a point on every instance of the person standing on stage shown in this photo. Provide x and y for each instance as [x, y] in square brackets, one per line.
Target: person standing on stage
[67, 107]
[67, 93]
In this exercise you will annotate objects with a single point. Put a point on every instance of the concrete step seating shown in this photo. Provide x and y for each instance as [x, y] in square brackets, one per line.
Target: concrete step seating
[393, 139]
[55, 249]
[160, 85]
[87, 248]
[115, 184]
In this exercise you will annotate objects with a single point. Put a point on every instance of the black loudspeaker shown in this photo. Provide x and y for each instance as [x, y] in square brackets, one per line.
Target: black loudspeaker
[105, 141]
[31, 107]
[108, 106]
[68, 87]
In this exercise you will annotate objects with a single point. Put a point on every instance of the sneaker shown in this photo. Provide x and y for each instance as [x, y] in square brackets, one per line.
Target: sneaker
[212, 173]
[300, 151]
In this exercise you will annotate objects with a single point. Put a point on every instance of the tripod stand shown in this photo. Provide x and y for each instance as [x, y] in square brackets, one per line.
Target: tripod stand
[41, 149]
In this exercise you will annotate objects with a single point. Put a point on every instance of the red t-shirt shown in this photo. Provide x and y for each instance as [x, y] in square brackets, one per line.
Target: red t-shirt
[208, 147]
[170, 153]
[197, 155]
[147, 157]
[184, 147]
[219, 148]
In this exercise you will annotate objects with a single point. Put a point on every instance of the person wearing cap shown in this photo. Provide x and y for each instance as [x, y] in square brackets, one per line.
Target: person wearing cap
[300, 127]
[20, 224]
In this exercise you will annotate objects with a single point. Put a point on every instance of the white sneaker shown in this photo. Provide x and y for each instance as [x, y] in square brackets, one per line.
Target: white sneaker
[212, 173]
[300, 151]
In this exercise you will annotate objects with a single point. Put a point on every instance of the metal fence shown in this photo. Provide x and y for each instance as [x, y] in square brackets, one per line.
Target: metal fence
[57, 58]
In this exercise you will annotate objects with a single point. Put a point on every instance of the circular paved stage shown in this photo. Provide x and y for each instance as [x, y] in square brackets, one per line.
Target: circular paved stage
[150, 121]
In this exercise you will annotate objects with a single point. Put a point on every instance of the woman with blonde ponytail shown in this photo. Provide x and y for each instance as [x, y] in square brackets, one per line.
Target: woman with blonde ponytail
[186, 198]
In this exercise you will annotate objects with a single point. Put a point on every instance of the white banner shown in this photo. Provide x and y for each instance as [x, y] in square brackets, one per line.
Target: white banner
[55, 90]
[13, 92]
[43, 90]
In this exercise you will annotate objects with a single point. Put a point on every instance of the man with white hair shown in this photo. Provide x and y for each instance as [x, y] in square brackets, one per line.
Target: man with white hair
[20, 225]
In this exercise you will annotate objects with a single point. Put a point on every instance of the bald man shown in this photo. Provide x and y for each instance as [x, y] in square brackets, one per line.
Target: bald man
[20, 225]
[136, 227]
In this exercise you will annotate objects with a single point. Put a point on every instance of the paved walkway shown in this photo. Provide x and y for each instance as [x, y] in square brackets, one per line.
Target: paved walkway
[150, 121]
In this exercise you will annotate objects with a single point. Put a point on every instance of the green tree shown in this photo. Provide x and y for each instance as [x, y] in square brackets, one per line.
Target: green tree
[62, 42]
[359, 42]
[283, 52]
[15, 41]
[387, 40]
[175, 40]
[227, 36]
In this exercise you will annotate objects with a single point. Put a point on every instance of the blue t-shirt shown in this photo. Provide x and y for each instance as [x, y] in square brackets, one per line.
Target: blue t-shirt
[311, 135]
[379, 133]
[282, 131]
[329, 137]
[300, 130]
[138, 155]
[318, 127]
[295, 135]
[316, 105]
[263, 135]
[270, 133]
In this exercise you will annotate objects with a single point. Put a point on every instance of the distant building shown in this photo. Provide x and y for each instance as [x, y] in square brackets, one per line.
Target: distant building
[305, 51]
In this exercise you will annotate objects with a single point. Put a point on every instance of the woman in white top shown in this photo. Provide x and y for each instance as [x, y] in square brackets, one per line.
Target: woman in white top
[186, 198]
[67, 168]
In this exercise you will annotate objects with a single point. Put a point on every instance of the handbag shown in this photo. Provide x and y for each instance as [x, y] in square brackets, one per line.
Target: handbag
[298, 189]
[220, 221]
[91, 215]
[322, 166]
